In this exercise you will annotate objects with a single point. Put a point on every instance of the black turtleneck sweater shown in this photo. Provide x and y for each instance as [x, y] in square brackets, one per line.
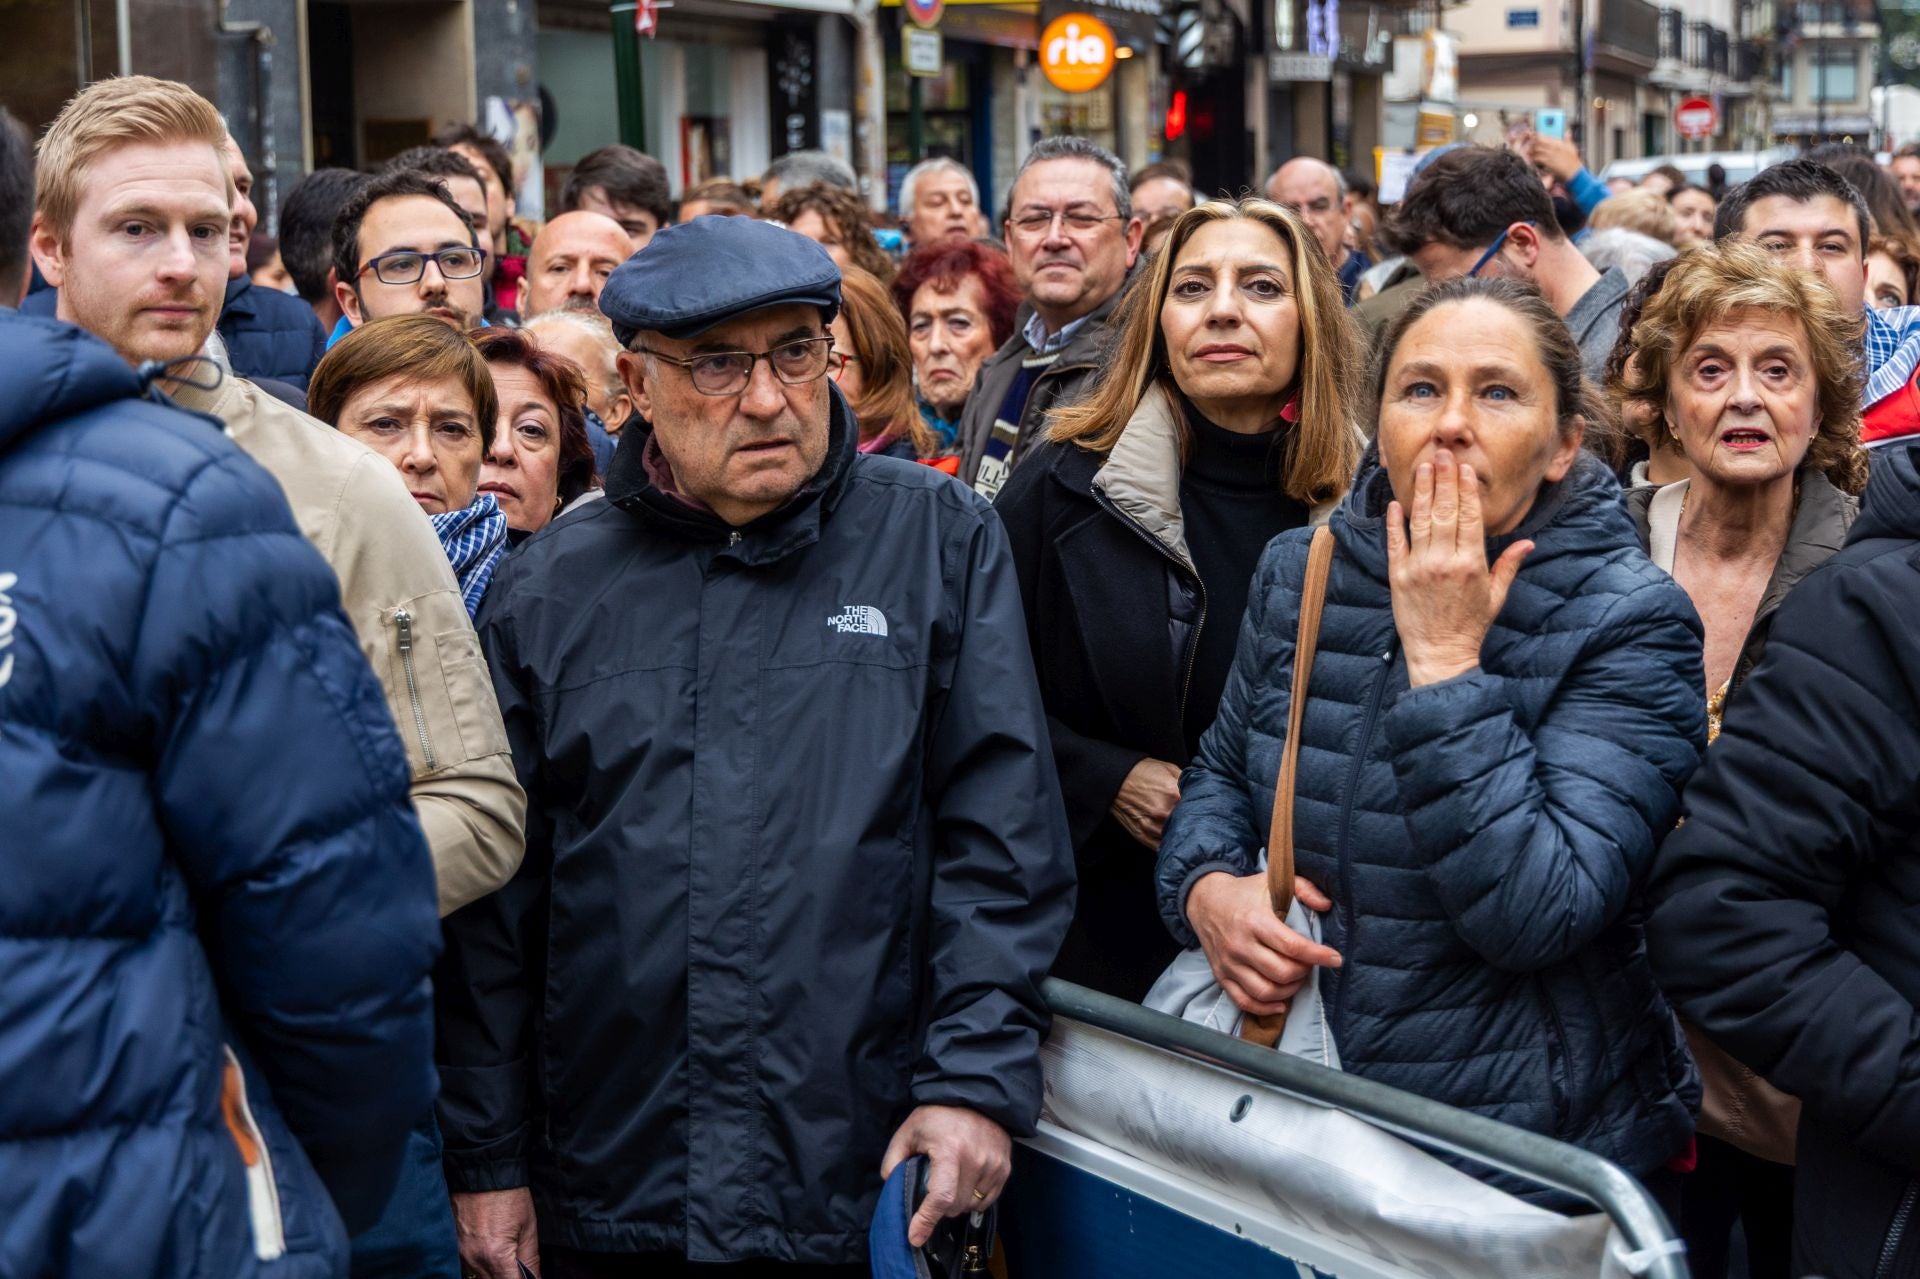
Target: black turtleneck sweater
[1233, 505]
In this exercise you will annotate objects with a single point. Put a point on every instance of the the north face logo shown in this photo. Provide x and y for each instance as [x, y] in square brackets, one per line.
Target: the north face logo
[859, 619]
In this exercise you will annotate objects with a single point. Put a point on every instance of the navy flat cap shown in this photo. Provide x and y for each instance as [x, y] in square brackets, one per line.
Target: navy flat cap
[701, 273]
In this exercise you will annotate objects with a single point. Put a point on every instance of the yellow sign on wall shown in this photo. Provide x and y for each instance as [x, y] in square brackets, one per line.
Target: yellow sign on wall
[1076, 52]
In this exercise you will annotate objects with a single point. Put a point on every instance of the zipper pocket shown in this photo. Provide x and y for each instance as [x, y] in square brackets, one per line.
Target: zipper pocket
[1557, 1033]
[1902, 1219]
[403, 622]
[263, 1195]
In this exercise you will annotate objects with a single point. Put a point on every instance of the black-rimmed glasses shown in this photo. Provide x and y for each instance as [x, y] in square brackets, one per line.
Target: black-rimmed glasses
[728, 372]
[406, 266]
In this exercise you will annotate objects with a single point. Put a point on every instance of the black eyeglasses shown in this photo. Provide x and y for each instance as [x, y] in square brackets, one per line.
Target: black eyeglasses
[728, 372]
[406, 266]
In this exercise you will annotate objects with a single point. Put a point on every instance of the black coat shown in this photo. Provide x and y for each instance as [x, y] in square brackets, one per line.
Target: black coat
[795, 862]
[1786, 911]
[1114, 608]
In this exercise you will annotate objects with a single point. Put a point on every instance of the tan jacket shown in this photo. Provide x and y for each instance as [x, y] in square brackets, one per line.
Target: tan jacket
[399, 592]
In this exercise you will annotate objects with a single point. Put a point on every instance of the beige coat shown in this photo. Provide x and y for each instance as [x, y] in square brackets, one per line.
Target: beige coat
[399, 592]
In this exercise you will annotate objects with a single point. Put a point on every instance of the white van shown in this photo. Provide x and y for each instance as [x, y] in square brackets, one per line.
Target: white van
[1740, 165]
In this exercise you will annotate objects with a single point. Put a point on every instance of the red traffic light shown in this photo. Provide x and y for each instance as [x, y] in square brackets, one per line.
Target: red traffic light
[1177, 115]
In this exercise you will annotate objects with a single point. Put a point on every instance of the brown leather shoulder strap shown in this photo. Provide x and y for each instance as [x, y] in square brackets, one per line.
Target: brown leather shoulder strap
[1266, 1030]
[1313, 599]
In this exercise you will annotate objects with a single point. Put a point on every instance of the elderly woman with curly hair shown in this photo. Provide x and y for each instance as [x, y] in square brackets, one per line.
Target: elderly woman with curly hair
[1753, 369]
[835, 219]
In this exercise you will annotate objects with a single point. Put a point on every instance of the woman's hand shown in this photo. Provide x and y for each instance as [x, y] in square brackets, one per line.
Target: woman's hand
[1260, 962]
[1146, 800]
[1444, 596]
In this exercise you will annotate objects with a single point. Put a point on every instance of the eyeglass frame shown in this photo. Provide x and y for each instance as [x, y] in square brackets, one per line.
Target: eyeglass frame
[373, 264]
[1495, 247]
[754, 358]
[1061, 216]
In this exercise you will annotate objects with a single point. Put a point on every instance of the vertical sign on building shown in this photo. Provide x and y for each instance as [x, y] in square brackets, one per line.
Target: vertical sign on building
[795, 95]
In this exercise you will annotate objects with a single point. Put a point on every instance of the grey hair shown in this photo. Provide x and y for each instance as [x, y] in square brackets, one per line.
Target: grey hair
[939, 164]
[1068, 147]
[799, 168]
[1631, 251]
[598, 325]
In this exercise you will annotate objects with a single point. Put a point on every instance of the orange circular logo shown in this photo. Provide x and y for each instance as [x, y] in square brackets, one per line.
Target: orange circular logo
[1076, 52]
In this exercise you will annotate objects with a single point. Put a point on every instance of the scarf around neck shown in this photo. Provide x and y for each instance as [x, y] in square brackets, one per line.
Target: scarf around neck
[474, 539]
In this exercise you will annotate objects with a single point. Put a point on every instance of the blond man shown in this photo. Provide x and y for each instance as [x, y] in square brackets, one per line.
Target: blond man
[132, 204]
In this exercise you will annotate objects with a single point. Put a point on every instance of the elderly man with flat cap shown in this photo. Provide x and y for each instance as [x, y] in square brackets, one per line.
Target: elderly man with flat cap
[796, 859]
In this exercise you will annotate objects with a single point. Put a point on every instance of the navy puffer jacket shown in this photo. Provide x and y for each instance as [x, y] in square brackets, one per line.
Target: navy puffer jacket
[1483, 839]
[205, 845]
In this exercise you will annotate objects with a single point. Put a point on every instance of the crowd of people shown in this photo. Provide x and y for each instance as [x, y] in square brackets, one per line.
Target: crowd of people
[576, 745]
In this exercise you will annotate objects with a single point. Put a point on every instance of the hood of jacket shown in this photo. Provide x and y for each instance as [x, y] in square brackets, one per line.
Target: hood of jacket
[633, 489]
[1891, 504]
[1579, 515]
[54, 371]
[1141, 475]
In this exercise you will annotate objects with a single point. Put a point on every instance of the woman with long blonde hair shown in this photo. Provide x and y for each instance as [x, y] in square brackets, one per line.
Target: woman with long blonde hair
[1226, 418]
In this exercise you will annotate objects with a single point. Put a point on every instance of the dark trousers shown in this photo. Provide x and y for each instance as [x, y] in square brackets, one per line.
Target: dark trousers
[1732, 1186]
[414, 1237]
[567, 1263]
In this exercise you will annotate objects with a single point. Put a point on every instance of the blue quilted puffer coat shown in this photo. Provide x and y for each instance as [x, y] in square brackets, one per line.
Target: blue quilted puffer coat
[217, 911]
[1484, 839]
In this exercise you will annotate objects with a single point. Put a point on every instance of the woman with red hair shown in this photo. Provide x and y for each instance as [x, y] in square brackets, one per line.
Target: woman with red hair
[958, 299]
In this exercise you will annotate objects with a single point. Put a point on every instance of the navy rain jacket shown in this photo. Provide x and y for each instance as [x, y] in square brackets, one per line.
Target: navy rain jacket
[796, 862]
[207, 844]
[1786, 915]
[1483, 839]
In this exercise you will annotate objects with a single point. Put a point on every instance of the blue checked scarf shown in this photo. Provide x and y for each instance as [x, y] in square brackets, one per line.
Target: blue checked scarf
[474, 538]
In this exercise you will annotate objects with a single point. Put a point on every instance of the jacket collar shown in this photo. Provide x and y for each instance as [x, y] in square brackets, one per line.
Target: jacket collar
[774, 535]
[1821, 519]
[1141, 476]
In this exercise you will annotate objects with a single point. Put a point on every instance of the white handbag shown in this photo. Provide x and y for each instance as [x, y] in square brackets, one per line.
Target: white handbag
[1188, 989]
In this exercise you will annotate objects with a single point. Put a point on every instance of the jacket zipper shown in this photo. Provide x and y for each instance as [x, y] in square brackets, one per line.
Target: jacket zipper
[1193, 640]
[1353, 787]
[1890, 1250]
[1562, 1100]
[404, 621]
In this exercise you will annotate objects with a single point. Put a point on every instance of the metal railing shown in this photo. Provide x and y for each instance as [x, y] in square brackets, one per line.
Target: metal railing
[1432, 1124]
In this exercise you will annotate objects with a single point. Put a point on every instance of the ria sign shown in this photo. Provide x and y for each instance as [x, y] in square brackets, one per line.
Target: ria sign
[1076, 52]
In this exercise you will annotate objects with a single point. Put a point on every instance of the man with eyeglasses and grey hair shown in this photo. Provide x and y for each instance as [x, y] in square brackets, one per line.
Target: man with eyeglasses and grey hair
[797, 860]
[1318, 193]
[939, 200]
[1073, 239]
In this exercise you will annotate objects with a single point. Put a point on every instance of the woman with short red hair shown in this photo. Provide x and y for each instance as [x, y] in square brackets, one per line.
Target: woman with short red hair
[958, 299]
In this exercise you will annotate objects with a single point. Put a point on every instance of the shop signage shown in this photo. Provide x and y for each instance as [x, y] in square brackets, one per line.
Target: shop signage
[1076, 52]
[1696, 119]
[920, 51]
[1523, 19]
[1132, 22]
[1440, 67]
[925, 13]
[1285, 67]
